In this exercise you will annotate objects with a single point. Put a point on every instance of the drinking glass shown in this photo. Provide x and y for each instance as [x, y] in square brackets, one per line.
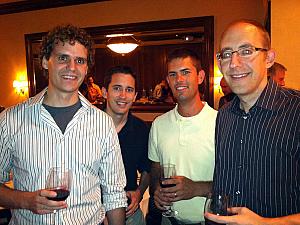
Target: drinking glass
[216, 204]
[167, 171]
[59, 180]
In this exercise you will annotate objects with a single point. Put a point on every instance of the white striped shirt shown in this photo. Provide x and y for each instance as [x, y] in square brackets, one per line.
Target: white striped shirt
[258, 153]
[31, 143]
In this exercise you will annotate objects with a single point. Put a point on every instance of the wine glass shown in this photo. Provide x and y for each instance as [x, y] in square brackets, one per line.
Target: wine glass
[216, 204]
[167, 171]
[59, 180]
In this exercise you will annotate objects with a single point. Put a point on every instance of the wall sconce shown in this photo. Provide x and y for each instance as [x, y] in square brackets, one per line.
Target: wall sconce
[21, 87]
[122, 43]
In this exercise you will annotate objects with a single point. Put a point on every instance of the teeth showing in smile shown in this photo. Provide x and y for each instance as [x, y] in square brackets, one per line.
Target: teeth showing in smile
[69, 77]
[239, 75]
[121, 103]
[181, 88]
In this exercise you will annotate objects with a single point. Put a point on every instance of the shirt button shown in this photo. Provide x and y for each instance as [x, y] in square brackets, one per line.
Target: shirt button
[240, 166]
[238, 192]
[241, 141]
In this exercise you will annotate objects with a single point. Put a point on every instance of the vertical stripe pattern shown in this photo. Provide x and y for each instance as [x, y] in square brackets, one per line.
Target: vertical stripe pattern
[31, 143]
[258, 153]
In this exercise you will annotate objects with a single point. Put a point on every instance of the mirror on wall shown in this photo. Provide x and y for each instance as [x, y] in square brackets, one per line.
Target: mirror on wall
[148, 60]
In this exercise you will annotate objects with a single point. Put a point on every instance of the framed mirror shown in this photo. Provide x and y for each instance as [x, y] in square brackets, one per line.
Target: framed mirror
[157, 39]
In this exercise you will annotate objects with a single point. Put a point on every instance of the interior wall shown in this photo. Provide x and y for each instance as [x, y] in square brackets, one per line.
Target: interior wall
[14, 26]
[285, 33]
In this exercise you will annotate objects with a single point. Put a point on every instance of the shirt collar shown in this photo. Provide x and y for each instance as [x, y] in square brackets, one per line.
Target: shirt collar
[38, 99]
[266, 100]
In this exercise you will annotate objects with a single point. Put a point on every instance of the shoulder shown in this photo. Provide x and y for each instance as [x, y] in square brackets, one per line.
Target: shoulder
[166, 117]
[137, 122]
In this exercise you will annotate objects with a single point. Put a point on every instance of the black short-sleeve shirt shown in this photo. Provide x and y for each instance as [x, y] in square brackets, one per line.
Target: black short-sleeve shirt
[133, 139]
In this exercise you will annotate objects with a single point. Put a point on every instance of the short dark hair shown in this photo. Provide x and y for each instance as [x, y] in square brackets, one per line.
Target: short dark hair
[182, 53]
[265, 35]
[275, 67]
[117, 69]
[185, 53]
[70, 34]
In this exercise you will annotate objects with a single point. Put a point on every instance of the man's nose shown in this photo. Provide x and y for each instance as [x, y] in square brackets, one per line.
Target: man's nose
[71, 64]
[179, 77]
[235, 60]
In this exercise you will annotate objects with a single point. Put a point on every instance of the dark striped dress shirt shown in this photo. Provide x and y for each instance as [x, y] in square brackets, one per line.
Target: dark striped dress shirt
[31, 143]
[258, 153]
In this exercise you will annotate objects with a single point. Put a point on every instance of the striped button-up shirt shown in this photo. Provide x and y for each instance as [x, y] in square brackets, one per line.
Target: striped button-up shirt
[258, 153]
[31, 143]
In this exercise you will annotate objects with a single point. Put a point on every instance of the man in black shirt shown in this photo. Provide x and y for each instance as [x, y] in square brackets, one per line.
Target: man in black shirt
[257, 134]
[119, 91]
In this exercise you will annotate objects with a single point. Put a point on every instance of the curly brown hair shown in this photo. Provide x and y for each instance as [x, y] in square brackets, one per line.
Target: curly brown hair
[70, 34]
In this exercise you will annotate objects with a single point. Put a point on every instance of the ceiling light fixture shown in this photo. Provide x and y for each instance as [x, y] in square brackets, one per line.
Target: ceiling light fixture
[122, 43]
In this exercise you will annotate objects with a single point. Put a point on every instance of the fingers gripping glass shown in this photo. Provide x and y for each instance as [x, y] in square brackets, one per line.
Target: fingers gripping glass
[244, 52]
[59, 180]
[167, 171]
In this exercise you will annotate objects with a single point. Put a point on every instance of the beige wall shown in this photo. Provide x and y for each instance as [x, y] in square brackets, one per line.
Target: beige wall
[285, 32]
[14, 26]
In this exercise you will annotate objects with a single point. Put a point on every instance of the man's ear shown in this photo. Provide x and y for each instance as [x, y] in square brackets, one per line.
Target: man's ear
[201, 76]
[104, 92]
[45, 63]
[270, 58]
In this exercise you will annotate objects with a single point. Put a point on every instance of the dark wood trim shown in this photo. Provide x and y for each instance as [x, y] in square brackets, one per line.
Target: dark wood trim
[30, 5]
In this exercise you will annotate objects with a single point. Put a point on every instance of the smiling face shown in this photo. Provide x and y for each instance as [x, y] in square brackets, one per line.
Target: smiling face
[67, 67]
[245, 76]
[120, 94]
[183, 79]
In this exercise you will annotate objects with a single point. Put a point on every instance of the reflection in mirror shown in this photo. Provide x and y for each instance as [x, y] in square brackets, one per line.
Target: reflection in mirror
[156, 39]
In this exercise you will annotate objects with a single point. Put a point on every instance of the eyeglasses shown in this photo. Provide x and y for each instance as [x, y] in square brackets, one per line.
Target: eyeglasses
[244, 52]
[65, 59]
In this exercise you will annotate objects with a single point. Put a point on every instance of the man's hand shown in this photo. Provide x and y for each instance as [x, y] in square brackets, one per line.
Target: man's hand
[242, 216]
[184, 189]
[38, 203]
[160, 198]
[134, 199]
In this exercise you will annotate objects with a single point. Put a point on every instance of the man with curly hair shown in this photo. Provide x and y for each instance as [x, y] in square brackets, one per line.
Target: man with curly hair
[60, 128]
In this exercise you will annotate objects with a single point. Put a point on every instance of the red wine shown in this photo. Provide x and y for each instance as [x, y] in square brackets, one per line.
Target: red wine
[62, 194]
[166, 185]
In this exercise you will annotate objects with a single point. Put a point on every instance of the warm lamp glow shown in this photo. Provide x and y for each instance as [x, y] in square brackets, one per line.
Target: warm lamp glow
[122, 48]
[122, 43]
[21, 87]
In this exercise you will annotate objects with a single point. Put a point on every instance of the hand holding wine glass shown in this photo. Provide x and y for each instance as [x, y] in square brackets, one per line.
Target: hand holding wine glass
[167, 171]
[216, 204]
[59, 180]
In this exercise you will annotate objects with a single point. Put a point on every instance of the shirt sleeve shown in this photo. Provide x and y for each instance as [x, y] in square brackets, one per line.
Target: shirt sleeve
[144, 164]
[152, 146]
[5, 150]
[112, 174]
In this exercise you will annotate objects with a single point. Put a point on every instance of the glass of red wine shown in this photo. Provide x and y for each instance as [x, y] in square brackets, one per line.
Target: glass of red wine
[59, 180]
[167, 171]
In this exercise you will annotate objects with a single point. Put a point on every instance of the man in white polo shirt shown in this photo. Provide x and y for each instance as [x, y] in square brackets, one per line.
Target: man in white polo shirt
[184, 136]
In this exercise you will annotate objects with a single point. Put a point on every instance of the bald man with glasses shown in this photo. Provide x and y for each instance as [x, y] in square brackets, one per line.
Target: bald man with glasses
[257, 134]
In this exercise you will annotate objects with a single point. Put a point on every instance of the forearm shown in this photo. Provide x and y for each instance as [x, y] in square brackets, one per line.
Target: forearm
[286, 220]
[144, 183]
[154, 177]
[116, 216]
[12, 199]
[202, 188]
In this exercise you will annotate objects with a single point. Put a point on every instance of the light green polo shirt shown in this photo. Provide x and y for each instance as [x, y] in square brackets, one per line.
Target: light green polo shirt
[189, 143]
